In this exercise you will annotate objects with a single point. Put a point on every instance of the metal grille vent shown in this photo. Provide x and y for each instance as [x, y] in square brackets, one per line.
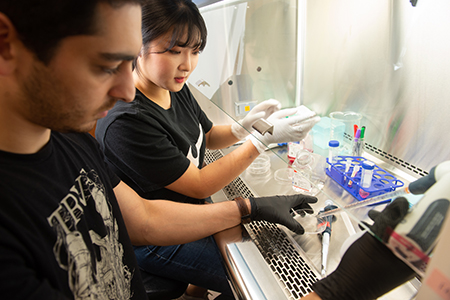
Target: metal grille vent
[290, 268]
[399, 162]
[237, 187]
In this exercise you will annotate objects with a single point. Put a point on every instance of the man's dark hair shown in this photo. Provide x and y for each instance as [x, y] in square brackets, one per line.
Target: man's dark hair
[42, 24]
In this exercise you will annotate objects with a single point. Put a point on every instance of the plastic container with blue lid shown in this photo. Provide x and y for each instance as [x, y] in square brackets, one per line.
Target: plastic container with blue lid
[367, 173]
[333, 150]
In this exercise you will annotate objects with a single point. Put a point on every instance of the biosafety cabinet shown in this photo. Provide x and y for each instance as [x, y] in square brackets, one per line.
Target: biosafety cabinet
[386, 60]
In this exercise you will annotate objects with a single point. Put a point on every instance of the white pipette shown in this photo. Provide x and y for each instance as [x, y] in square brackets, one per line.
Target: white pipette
[373, 200]
[326, 236]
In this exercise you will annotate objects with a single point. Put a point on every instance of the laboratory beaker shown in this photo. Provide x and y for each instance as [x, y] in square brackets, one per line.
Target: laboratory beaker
[342, 129]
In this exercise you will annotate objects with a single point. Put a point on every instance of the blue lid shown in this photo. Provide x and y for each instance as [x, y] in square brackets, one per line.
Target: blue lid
[368, 165]
[333, 143]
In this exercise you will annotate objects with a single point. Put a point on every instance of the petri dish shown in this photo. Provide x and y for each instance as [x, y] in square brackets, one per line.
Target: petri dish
[260, 166]
[312, 223]
[284, 175]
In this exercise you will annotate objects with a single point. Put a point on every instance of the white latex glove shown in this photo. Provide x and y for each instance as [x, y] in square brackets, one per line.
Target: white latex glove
[262, 110]
[292, 129]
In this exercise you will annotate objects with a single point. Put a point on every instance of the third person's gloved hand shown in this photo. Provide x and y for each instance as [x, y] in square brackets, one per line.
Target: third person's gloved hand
[289, 125]
[388, 218]
[277, 209]
[368, 268]
[262, 110]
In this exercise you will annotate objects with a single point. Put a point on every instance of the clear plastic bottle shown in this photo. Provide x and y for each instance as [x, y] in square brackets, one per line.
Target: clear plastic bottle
[333, 151]
[366, 177]
[367, 173]
[301, 177]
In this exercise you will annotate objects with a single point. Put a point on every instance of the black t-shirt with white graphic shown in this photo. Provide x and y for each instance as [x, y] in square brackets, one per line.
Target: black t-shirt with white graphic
[150, 147]
[62, 233]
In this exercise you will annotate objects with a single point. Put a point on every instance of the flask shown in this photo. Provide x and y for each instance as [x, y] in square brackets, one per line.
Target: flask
[308, 142]
[293, 148]
[301, 177]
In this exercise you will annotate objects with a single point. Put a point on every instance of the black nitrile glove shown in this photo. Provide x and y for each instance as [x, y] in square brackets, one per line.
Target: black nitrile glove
[277, 209]
[368, 268]
[388, 218]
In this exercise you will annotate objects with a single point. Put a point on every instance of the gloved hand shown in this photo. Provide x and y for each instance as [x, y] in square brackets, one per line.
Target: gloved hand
[262, 110]
[277, 209]
[421, 185]
[292, 129]
[368, 268]
[388, 218]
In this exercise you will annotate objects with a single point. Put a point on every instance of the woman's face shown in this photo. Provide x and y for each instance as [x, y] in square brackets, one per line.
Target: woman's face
[170, 69]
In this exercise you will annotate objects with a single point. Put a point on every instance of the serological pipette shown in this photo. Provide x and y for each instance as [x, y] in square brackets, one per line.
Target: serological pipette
[370, 201]
[417, 187]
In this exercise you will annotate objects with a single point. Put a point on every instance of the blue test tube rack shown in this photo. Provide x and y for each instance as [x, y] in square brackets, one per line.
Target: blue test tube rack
[382, 181]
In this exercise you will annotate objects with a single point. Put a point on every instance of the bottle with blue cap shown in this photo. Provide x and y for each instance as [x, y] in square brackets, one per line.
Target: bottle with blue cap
[333, 151]
[367, 173]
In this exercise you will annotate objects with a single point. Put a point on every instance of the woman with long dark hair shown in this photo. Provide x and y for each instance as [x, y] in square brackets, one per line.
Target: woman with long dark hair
[157, 143]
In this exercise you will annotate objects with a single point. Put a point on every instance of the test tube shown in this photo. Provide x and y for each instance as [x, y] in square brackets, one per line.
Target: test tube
[348, 164]
[354, 172]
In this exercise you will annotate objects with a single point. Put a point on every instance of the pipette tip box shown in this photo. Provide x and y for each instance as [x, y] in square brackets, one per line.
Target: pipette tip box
[382, 181]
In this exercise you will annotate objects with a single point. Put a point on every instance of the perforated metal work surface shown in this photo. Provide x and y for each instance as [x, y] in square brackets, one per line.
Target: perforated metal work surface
[289, 265]
[283, 258]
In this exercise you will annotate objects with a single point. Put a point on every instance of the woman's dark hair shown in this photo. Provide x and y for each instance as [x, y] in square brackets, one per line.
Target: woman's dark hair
[182, 16]
[42, 24]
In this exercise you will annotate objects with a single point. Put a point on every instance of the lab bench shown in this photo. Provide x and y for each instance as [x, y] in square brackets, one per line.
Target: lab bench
[268, 261]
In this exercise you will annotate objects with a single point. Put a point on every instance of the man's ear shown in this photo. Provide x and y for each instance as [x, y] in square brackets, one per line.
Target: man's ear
[7, 35]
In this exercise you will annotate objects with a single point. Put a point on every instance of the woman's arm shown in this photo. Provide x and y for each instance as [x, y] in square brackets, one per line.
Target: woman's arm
[219, 137]
[202, 183]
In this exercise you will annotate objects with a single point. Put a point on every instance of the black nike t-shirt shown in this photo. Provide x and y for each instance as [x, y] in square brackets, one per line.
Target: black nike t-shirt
[149, 147]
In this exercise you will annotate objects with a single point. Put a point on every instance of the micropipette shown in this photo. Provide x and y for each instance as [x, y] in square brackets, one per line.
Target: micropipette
[373, 200]
[326, 236]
